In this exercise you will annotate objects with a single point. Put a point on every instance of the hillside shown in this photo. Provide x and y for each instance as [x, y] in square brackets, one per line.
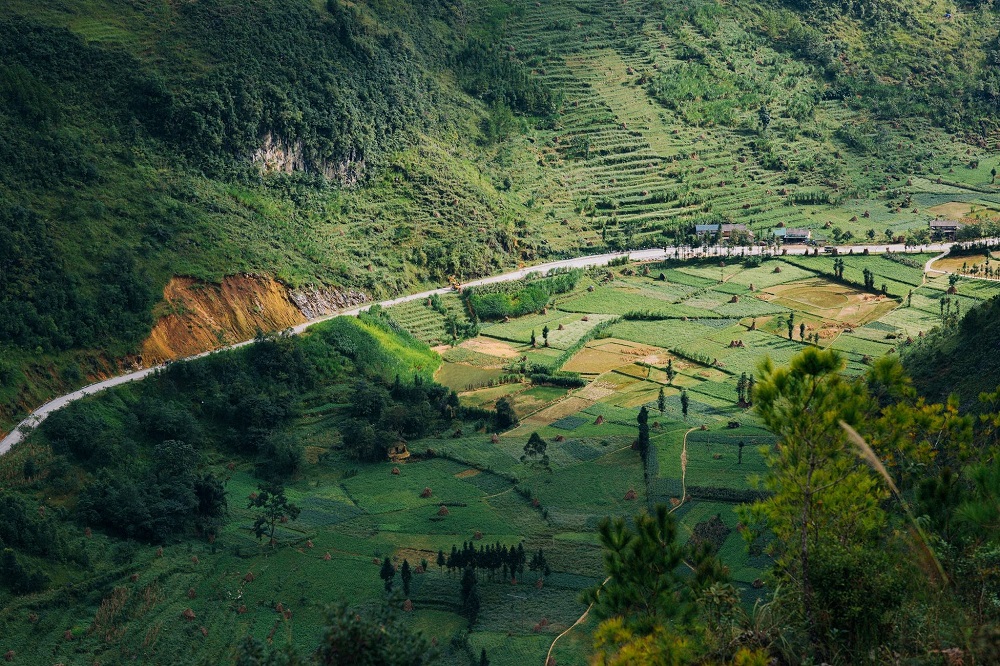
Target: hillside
[354, 150]
[960, 359]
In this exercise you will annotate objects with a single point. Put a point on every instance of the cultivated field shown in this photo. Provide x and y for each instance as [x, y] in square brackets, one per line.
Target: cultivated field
[696, 330]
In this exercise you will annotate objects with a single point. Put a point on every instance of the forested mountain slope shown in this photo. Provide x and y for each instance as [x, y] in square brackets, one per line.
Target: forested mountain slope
[960, 359]
[321, 144]
[380, 146]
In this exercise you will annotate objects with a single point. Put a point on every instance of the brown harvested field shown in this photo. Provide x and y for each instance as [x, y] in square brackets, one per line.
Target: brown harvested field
[602, 356]
[491, 347]
[467, 473]
[711, 374]
[831, 301]
[597, 390]
[955, 263]
[561, 409]
[956, 210]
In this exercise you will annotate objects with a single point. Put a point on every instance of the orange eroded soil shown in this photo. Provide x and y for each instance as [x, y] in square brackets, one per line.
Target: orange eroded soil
[196, 316]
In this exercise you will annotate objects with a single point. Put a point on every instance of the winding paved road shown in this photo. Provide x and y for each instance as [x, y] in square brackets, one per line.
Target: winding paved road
[40, 414]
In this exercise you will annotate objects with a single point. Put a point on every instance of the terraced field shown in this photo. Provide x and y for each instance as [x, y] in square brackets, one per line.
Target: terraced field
[698, 350]
[647, 141]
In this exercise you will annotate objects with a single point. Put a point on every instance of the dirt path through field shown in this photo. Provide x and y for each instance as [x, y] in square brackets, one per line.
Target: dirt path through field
[583, 618]
[580, 620]
[684, 467]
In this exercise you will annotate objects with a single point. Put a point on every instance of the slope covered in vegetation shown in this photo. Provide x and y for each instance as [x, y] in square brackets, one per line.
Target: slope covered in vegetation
[381, 146]
[960, 358]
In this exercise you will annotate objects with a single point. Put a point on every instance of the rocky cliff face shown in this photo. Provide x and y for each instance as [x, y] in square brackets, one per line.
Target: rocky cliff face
[313, 303]
[276, 154]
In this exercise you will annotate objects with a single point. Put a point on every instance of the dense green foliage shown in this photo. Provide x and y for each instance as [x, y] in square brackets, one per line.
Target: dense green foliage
[515, 299]
[349, 638]
[951, 359]
[145, 449]
[44, 305]
[215, 138]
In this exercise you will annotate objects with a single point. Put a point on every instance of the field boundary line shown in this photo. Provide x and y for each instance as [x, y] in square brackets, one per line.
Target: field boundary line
[684, 455]
[580, 620]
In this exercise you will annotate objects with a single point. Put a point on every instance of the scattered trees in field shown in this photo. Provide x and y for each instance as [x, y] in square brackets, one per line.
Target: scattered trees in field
[534, 450]
[271, 506]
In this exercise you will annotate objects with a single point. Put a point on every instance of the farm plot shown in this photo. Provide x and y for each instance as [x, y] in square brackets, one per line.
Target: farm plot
[619, 301]
[863, 347]
[462, 377]
[765, 276]
[656, 288]
[600, 356]
[426, 323]
[666, 333]
[490, 348]
[688, 278]
[536, 399]
[582, 494]
[831, 301]
[565, 329]
[488, 397]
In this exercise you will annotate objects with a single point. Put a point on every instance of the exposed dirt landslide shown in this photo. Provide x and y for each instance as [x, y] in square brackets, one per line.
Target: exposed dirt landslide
[197, 316]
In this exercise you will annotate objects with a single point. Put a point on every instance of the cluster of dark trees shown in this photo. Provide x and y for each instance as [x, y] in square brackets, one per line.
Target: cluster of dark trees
[498, 560]
[514, 299]
[27, 532]
[382, 415]
[496, 76]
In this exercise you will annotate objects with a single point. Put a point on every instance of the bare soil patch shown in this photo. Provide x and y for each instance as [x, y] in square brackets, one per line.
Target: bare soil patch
[956, 263]
[491, 347]
[835, 303]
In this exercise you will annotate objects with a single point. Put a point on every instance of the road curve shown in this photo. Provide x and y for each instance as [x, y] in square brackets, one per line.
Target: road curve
[40, 414]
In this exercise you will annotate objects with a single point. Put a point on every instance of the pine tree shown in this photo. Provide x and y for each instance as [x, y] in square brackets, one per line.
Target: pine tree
[406, 574]
[684, 403]
[469, 594]
[643, 420]
[545, 334]
[387, 573]
[661, 401]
